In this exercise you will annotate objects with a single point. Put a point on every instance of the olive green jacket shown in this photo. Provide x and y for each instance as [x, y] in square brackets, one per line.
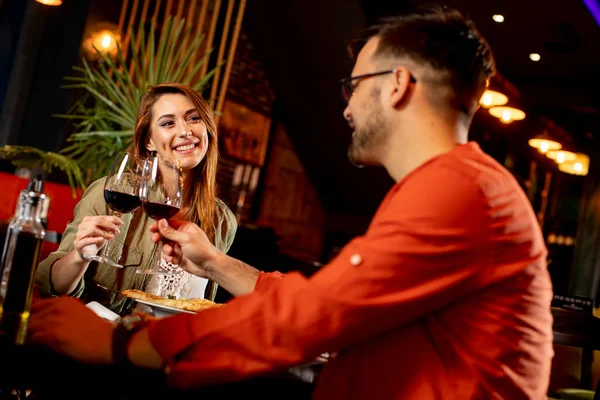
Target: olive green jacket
[133, 244]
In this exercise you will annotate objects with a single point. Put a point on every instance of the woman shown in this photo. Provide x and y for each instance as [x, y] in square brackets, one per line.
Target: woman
[173, 122]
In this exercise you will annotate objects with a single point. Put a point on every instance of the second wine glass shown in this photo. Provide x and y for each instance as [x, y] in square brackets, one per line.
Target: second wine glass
[161, 194]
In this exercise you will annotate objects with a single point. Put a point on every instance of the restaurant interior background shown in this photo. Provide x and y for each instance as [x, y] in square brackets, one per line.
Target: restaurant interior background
[283, 141]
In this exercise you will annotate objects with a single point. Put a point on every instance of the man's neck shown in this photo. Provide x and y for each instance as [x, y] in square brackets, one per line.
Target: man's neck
[421, 140]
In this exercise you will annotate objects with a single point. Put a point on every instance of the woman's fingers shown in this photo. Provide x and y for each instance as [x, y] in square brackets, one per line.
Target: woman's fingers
[89, 241]
[110, 224]
[96, 235]
[99, 223]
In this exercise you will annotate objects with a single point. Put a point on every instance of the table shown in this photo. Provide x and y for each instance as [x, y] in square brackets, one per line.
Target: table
[51, 376]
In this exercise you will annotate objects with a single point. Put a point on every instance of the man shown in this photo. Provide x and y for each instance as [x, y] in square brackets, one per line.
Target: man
[447, 294]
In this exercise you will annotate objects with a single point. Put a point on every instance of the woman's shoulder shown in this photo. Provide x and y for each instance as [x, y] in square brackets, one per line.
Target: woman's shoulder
[225, 225]
[94, 193]
[95, 187]
[222, 210]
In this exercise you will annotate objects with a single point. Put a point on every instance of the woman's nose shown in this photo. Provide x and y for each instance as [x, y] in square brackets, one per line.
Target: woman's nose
[185, 130]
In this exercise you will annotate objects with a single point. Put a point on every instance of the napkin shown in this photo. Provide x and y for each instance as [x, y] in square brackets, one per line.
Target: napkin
[102, 311]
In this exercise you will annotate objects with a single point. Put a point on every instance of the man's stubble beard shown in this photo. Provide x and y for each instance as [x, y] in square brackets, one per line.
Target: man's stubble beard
[369, 138]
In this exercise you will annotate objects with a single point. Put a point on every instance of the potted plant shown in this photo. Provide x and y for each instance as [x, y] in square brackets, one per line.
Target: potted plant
[104, 116]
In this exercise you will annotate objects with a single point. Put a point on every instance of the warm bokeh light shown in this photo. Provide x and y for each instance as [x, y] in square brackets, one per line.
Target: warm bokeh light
[498, 18]
[507, 114]
[105, 41]
[492, 98]
[560, 156]
[544, 145]
[535, 57]
[579, 166]
[50, 2]
[104, 38]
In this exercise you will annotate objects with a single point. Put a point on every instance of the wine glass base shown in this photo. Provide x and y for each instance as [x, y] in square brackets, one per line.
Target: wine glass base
[102, 260]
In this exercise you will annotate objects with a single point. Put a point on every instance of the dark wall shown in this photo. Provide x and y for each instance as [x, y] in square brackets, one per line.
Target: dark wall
[11, 19]
[47, 47]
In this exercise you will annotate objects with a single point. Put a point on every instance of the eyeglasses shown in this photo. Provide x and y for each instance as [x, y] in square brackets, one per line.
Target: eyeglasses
[348, 86]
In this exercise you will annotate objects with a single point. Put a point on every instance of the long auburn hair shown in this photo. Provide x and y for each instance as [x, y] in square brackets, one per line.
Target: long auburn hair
[203, 194]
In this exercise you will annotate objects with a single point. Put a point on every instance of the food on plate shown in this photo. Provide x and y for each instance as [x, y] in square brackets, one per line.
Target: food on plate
[182, 304]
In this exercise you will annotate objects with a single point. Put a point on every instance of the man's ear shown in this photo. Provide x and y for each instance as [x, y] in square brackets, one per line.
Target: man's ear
[400, 87]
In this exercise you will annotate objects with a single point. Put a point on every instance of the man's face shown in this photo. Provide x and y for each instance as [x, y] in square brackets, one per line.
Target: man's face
[364, 111]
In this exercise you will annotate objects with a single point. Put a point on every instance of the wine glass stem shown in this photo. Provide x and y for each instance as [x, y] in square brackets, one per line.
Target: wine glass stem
[158, 255]
[108, 242]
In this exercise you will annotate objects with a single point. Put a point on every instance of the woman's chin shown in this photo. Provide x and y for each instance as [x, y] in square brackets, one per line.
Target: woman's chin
[188, 161]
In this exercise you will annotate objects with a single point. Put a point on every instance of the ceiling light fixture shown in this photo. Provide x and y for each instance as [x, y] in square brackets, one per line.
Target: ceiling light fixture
[507, 114]
[50, 2]
[579, 166]
[560, 156]
[104, 37]
[491, 98]
[499, 18]
[544, 144]
[534, 57]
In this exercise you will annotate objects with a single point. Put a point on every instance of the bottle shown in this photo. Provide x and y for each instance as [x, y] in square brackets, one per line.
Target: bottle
[18, 266]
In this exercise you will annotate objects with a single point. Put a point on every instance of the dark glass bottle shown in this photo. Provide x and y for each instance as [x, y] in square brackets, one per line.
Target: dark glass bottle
[18, 266]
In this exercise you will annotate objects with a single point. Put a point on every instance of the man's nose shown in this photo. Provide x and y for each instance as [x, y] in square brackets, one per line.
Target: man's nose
[346, 114]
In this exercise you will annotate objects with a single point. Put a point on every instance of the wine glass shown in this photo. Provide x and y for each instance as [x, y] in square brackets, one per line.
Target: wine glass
[121, 193]
[161, 195]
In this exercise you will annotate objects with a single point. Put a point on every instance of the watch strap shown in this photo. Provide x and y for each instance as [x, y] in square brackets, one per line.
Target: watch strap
[121, 336]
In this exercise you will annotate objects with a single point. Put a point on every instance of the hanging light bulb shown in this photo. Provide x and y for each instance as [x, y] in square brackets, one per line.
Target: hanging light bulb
[50, 2]
[507, 114]
[579, 166]
[544, 144]
[104, 38]
[491, 98]
[560, 156]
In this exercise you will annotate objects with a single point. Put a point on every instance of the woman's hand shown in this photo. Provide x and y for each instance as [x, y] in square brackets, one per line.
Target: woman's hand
[68, 327]
[93, 230]
[184, 243]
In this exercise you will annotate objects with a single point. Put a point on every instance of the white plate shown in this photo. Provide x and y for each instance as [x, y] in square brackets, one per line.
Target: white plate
[163, 311]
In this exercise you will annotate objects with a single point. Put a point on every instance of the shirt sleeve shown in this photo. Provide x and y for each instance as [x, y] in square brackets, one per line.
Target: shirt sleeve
[424, 250]
[88, 205]
[226, 227]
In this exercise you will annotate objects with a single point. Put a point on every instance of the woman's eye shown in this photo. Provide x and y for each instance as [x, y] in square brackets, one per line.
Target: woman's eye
[194, 118]
[166, 123]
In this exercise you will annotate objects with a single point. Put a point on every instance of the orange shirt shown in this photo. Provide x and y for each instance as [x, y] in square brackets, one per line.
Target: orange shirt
[447, 295]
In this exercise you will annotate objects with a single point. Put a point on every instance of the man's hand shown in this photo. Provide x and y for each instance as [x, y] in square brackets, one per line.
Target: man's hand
[184, 243]
[68, 327]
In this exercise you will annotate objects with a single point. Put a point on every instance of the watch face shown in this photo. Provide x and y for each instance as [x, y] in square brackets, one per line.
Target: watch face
[129, 322]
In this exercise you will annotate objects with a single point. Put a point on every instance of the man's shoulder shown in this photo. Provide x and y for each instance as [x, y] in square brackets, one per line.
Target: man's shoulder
[464, 182]
[470, 168]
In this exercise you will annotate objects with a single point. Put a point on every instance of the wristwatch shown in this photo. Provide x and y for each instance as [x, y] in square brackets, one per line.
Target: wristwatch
[122, 333]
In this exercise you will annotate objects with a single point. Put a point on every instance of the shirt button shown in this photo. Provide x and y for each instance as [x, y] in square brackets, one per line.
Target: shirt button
[355, 259]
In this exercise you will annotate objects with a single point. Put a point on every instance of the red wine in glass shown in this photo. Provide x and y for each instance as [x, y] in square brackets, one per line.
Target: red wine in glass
[121, 202]
[161, 193]
[158, 211]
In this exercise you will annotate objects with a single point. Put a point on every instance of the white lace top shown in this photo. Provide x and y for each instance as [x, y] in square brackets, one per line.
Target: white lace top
[181, 285]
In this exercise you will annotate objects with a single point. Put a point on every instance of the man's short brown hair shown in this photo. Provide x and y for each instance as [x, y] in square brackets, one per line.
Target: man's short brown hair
[440, 38]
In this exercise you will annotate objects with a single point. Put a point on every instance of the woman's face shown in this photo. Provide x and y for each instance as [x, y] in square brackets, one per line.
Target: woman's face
[177, 132]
